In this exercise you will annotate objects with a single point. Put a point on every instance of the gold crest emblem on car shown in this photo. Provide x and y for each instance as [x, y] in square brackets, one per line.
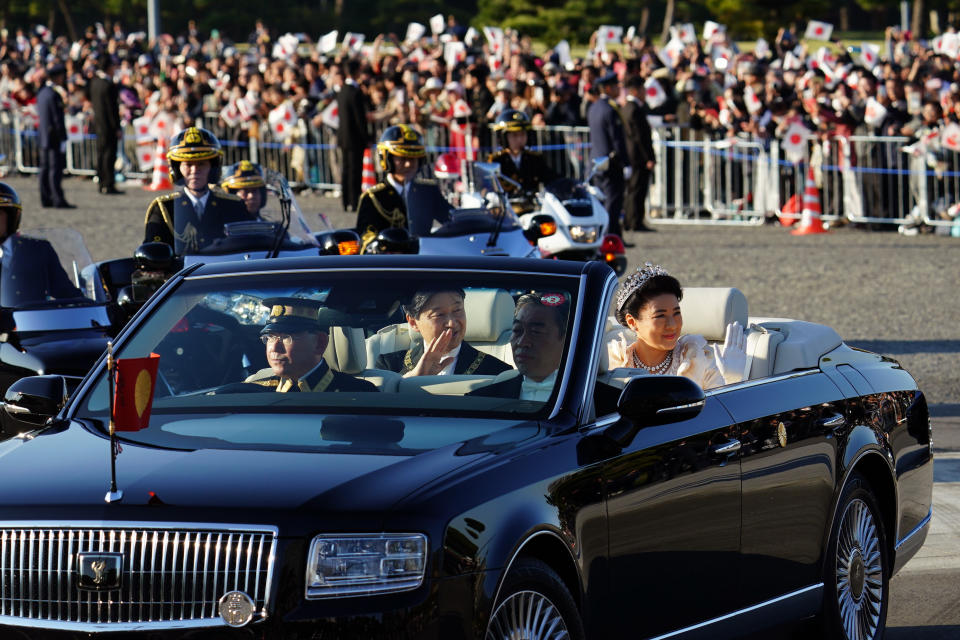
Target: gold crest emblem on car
[782, 434]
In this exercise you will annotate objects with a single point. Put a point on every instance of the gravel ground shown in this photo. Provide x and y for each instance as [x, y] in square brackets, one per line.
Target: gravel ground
[888, 293]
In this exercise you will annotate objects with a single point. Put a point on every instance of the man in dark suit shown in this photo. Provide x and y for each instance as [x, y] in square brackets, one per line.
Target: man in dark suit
[106, 122]
[641, 155]
[53, 140]
[192, 219]
[353, 136]
[296, 336]
[438, 315]
[607, 140]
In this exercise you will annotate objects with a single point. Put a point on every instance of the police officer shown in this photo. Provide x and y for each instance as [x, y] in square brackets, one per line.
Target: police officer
[31, 270]
[517, 163]
[607, 140]
[191, 219]
[383, 205]
[296, 336]
[245, 180]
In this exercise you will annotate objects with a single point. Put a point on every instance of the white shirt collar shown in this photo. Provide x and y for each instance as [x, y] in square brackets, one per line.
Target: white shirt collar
[540, 391]
[448, 370]
[516, 159]
[194, 199]
[397, 186]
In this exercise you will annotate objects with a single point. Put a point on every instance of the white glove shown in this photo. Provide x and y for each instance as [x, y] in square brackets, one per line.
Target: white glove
[627, 172]
[617, 353]
[731, 358]
[694, 358]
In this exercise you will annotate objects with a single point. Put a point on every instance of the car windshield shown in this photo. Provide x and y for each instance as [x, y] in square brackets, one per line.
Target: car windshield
[41, 269]
[430, 214]
[232, 348]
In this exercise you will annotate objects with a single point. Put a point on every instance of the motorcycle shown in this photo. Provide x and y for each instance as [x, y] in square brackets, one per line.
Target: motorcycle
[486, 226]
[578, 212]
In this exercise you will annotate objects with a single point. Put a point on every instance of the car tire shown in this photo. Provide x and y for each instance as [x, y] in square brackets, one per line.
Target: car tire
[857, 571]
[534, 604]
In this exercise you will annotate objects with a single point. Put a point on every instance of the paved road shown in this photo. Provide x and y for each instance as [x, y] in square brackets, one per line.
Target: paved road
[890, 294]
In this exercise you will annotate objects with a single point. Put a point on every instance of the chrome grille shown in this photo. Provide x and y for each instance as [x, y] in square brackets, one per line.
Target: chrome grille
[170, 577]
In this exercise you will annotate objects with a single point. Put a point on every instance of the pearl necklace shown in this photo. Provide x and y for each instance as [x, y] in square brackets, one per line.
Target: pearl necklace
[655, 369]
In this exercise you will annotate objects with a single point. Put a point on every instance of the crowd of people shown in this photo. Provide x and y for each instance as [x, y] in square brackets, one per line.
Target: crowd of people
[906, 87]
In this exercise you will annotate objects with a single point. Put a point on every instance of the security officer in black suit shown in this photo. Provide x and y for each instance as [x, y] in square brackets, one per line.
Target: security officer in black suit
[192, 219]
[31, 271]
[517, 163]
[52, 134]
[607, 140]
[106, 122]
[438, 315]
[296, 336]
[383, 205]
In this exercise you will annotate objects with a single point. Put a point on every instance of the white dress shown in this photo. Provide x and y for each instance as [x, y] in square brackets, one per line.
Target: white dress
[692, 358]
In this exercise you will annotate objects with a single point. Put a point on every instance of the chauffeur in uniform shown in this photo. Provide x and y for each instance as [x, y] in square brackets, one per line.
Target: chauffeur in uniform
[383, 205]
[296, 336]
[439, 316]
[191, 219]
[516, 162]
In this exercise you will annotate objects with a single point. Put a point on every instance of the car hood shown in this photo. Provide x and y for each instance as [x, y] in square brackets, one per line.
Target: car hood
[65, 471]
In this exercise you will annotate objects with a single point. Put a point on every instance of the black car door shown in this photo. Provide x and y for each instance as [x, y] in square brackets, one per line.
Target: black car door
[673, 504]
[787, 430]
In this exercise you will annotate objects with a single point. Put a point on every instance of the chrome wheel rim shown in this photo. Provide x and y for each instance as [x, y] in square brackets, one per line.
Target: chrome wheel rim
[859, 573]
[527, 615]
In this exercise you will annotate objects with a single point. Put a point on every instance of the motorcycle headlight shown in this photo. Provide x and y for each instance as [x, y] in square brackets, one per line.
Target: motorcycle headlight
[360, 564]
[579, 233]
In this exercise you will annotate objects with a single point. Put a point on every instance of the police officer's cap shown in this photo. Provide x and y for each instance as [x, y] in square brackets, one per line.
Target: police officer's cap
[607, 79]
[243, 175]
[292, 315]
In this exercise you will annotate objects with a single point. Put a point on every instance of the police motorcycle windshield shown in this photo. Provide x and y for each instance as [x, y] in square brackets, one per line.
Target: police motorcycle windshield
[567, 189]
[280, 226]
[428, 210]
[41, 268]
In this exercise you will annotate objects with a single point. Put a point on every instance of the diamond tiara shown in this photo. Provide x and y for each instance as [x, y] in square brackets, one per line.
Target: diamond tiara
[633, 284]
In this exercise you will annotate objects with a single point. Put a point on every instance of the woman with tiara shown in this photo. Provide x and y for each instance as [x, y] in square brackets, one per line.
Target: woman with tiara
[648, 303]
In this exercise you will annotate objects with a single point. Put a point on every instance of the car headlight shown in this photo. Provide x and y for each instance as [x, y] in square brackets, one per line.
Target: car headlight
[580, 233]
[361, 564]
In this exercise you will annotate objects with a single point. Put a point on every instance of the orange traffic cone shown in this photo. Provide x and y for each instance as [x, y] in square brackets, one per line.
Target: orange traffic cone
[161, 172]
[369, 178]
[810, 221]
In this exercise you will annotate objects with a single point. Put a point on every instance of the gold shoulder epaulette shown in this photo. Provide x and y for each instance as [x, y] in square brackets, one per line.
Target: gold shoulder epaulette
[380, 186]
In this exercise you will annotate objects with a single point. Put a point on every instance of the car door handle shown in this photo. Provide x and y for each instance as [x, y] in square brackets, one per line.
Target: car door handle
[726, 448]
[833, 422]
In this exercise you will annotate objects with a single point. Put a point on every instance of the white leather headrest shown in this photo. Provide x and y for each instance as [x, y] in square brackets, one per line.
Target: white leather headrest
[346, 350]
[708, 310]
[489, 314]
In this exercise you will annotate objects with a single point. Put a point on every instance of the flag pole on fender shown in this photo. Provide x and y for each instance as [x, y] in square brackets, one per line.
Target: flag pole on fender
[114, 494]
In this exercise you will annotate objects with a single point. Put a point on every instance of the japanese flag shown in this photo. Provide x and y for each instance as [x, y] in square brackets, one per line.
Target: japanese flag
[353, 41]
[230, 114]
[654, 94]
[247, 106]
[563, 53]
[162, 125]
[791, 61]
[331, 115]
[437, 24]
[950, 137]
[794, 142]
[282, 120]
[471, 35]
[454, 52]
[141, 129]
[826, 57]
[608, 34]
[146, 155]
[328, 42]
[754, 103]
[817, 30]
[670, 54]
[685, 32]
[495, 40]
[415, 31]
[461, 109]
[762, 48]
[710, 28]
[285, 47]
[29, 118]
[950, 44]
[417, 55]
[74, 127]
[869, 55]
[874, 113]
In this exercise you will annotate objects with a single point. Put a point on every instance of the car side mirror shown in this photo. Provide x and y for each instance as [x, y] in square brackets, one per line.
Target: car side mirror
[342, 242]
[648, 401]
[36, 399]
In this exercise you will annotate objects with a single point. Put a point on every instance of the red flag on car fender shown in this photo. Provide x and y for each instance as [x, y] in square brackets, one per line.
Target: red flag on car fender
[133, 395]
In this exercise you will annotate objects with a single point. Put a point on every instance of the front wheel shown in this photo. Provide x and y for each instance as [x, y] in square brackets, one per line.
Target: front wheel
[535, 605]
[856, 580]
